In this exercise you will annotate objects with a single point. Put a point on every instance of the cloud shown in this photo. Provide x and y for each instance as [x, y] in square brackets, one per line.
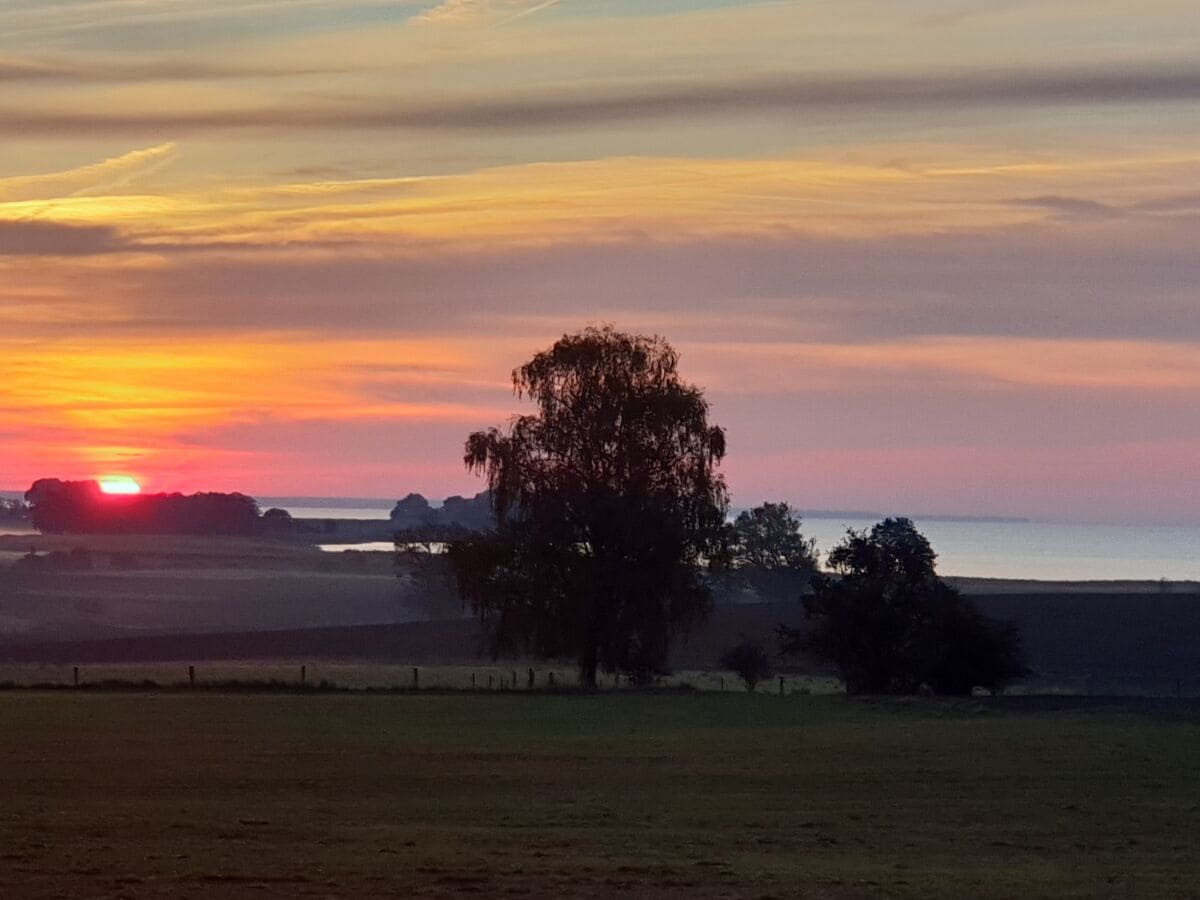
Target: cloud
[1179, 203]
[801, 249]
[804, 96]
[55, 70]
[34, 238]
[952, 18]
[459, 12]
[1073, 207]
[171, 20]
[1029, 281]
[116, 172]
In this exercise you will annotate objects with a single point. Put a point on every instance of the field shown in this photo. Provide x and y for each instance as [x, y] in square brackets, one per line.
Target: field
[137, 584]
[638, 795]
[109, 599]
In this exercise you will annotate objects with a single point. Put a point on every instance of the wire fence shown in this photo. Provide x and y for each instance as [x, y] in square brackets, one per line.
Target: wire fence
[519, 676]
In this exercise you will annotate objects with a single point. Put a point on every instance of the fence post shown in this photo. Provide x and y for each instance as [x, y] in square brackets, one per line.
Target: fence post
[550, 679]
[192, 676]
[472, 679]
[303, 674]
[780, 685]
[531, 679]
[416, 679]
[75, 675]
[514, 679]
[490, 682]
[722, 682]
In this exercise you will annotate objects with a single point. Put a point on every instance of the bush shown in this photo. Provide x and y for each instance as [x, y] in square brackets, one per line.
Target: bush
[891, 626]
[749, 661]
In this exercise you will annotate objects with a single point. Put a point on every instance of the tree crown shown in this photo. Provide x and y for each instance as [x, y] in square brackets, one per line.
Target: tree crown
[615, 421]
[892, 548]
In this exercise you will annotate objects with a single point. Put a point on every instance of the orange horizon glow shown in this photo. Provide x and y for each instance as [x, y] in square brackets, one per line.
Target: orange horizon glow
[119, 484]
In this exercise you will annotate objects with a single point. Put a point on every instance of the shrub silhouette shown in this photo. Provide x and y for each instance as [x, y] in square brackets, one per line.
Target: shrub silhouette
[749, 661]
[891, 626]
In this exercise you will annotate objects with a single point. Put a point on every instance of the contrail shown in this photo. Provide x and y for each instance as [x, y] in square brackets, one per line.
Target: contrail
[529, 12]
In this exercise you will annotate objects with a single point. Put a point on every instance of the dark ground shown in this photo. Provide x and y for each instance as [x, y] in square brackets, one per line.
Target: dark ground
[1083, 642]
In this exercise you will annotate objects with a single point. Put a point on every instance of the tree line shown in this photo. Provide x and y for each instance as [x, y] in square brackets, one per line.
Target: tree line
[81, 507]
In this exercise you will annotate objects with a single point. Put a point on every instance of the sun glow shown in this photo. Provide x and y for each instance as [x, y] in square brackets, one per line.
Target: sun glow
[120, 485]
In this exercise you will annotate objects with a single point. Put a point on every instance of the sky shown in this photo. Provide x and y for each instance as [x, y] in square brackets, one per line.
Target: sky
[935, 256]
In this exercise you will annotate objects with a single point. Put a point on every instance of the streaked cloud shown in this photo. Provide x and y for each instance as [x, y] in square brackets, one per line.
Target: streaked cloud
[1070, 206]
[110, 174]
[63, 70]
[787, 94]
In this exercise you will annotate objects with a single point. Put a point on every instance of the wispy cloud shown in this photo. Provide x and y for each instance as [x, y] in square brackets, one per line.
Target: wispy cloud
[60, 70]
[110, 174]
[1074, 207]
[39, 19]
[460, 12]
[835, 98]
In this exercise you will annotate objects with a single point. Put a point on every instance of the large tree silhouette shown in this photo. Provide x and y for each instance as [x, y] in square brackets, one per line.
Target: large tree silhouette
[607, 505]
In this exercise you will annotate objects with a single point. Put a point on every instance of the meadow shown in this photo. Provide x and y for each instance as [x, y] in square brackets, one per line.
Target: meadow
[666, 795]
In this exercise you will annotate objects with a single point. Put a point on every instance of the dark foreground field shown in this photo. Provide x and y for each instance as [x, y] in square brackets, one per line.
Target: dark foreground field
[682, 796]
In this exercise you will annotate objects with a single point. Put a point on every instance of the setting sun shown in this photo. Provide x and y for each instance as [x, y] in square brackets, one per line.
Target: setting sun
[120, 485]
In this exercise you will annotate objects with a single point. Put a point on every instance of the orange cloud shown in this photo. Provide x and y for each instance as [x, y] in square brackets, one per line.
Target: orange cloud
[129, 406]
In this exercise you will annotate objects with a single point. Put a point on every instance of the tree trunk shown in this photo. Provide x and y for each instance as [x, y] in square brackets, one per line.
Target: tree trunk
[590, 660]
[588, 666]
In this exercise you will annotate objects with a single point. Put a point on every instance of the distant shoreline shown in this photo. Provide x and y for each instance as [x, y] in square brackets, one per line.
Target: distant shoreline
[387, 504]
[878, 516]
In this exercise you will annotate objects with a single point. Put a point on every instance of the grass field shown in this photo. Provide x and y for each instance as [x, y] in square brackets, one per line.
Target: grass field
[668, 795]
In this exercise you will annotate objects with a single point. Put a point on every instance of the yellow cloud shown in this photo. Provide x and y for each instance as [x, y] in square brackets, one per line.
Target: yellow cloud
[666, 198]
[110, 174]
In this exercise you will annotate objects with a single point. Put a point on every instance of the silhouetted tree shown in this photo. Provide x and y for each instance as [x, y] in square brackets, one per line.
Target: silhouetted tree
[749, 661]
[13, 510]
[891, 626]
[277, 522]
[607, 505]
[415, 516]
[412, 512]
[768, 554]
